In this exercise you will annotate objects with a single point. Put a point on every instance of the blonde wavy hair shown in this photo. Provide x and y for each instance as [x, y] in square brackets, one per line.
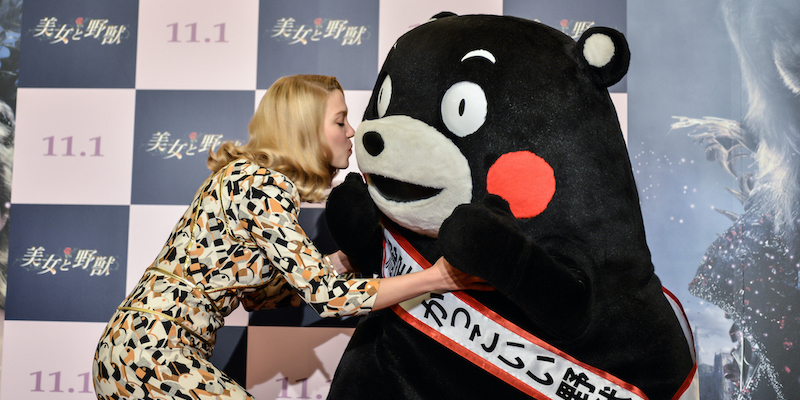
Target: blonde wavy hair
[286, 134]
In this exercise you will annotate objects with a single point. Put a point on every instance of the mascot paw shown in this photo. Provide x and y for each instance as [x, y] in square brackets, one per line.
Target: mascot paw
[354, 223]
[484, 240]
[349, 197]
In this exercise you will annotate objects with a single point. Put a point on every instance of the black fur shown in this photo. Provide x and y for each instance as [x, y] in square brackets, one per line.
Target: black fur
[577, 275]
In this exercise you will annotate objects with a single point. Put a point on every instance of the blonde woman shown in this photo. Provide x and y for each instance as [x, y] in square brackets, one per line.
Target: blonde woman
[239, 242]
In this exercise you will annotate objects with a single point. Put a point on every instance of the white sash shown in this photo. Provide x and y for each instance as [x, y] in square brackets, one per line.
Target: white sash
[462, 324]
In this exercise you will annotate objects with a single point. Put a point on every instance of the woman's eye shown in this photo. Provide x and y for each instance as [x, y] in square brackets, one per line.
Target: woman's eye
[464, 108]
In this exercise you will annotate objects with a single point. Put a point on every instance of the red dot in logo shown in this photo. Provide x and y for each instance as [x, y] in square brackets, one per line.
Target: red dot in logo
[525, 180]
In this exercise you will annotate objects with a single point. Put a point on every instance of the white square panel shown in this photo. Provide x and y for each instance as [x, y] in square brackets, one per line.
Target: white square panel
[207, 44]
[73, 146]
[45, 360]
[148, 230]
[259, 95]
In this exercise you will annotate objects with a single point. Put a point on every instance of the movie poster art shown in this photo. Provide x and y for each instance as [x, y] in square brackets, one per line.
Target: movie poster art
[10, 23]
[716, 107]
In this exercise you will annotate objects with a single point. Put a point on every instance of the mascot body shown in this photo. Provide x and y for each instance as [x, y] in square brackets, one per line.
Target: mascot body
[493, 141]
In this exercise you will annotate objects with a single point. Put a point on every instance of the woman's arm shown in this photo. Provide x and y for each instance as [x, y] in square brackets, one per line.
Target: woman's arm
[441, 276]
[268, 213]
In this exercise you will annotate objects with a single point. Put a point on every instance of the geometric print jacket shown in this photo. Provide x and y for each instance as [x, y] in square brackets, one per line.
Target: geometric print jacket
[240, 242]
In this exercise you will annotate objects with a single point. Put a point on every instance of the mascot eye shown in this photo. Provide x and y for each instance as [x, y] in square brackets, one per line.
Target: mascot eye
[384, 96]
[464, 108]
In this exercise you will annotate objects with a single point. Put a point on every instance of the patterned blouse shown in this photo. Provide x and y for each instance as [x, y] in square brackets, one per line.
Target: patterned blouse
[240, 241]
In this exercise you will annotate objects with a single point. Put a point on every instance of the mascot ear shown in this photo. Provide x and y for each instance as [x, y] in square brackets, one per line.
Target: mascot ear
[443, 14]
[606, 52]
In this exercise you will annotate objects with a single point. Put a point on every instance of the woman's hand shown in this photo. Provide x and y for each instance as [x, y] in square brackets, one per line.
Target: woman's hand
[453, 279]
[341, 263]
[441, 276]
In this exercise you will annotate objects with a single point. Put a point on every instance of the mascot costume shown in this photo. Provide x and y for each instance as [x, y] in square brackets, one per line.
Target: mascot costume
[493, 141]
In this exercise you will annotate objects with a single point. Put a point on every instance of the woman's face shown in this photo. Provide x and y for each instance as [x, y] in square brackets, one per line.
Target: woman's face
[337, 130]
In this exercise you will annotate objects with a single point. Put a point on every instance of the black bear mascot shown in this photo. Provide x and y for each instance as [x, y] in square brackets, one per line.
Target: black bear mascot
[493, 141]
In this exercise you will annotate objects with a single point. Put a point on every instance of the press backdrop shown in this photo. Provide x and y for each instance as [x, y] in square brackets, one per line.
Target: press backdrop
[119, 102]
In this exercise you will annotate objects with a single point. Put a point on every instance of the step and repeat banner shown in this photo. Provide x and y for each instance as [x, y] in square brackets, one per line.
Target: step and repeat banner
[119, 102]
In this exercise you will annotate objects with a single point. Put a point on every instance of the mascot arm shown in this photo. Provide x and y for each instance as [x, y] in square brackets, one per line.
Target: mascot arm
[485, 240]
[354, 224]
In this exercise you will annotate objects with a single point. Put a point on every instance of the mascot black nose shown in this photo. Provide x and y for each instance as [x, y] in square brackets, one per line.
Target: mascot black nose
[373, 143]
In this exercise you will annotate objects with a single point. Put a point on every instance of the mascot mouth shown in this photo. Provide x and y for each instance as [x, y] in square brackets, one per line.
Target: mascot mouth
[412, 185]
[395, 190]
